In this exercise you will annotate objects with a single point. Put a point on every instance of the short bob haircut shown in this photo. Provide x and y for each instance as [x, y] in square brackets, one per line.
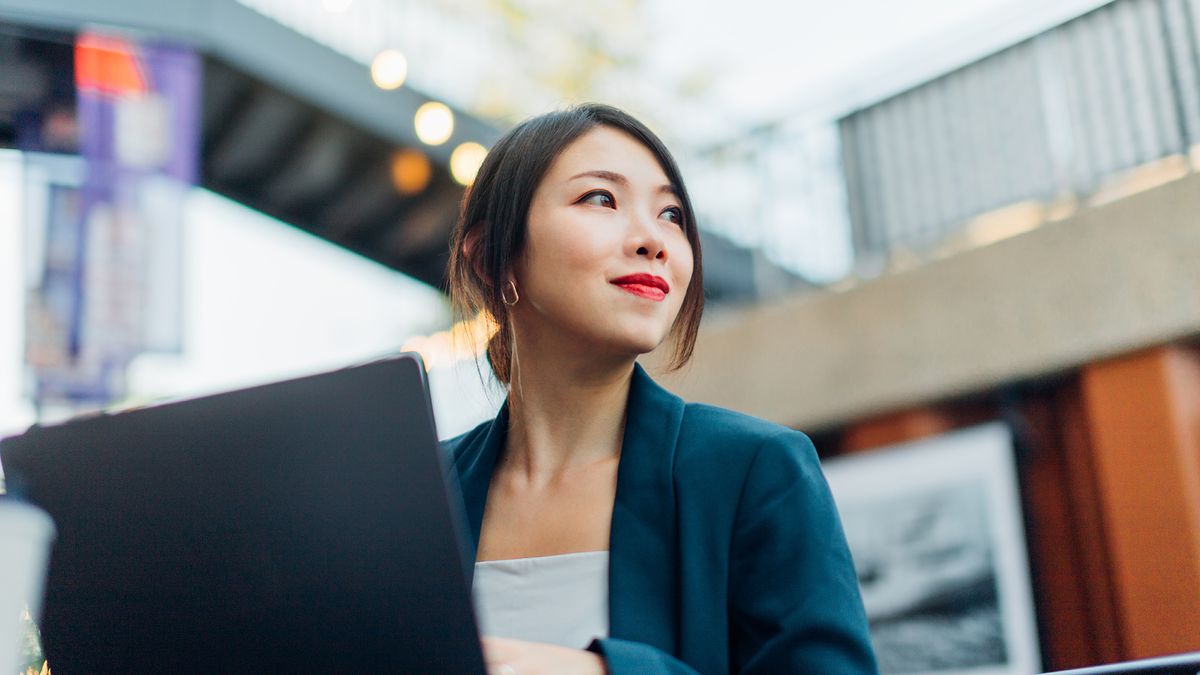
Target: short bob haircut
[497, 207]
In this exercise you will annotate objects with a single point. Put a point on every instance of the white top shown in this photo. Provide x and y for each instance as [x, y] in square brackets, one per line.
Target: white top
[559, 599]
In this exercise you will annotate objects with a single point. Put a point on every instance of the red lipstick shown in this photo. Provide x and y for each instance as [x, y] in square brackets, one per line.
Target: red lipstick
[647, 286]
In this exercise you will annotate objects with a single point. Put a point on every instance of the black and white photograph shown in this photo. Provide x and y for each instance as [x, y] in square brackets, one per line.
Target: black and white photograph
[935, 530]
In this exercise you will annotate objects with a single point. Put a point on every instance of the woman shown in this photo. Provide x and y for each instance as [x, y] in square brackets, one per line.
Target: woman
[683, 538]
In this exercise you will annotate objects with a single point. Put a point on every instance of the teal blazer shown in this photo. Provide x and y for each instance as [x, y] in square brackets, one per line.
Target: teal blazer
[726, 554]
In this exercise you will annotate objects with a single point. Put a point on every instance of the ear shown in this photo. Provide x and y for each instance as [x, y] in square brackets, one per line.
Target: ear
[470, 247]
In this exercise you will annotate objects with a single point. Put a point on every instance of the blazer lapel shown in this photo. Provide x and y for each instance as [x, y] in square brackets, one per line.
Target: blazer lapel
[475, 467]
[642, 582]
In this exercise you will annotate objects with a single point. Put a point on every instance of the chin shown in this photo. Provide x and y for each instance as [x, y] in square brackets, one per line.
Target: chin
[617, 333]
[638, 342]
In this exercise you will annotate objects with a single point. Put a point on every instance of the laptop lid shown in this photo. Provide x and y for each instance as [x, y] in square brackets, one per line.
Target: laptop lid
[1175, 664]
[302, 525]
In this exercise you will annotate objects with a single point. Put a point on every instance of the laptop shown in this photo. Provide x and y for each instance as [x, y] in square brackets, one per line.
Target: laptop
[1176, 664]
[306, 525]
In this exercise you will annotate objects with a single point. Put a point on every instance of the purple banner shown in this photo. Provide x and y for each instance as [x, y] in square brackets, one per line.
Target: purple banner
[111, 289]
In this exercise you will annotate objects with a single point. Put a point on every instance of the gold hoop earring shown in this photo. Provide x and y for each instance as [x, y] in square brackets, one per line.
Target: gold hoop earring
[516, 296]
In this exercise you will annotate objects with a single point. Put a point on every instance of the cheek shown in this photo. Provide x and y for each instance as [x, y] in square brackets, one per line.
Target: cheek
[561, 252]
[583, 249]
[565, 282]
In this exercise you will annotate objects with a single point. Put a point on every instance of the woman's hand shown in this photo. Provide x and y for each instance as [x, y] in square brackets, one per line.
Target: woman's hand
[517, 657]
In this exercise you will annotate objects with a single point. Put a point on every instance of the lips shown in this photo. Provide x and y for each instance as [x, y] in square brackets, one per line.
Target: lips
[644, 285]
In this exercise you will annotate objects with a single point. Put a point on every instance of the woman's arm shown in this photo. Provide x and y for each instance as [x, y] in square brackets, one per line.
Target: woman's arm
[794, 599]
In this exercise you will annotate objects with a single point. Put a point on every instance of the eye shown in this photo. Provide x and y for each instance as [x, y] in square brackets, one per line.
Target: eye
[599, 198]
[672, 214]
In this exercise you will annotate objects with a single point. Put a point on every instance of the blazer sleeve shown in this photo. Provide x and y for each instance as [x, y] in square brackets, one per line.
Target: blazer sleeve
[793, 598]
[627, 657]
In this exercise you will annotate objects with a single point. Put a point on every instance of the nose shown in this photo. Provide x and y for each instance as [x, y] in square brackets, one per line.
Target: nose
[646, 241]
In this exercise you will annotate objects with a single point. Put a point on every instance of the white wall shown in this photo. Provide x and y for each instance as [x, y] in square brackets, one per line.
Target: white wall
[15, 411]
[261, 301]
[264, 301]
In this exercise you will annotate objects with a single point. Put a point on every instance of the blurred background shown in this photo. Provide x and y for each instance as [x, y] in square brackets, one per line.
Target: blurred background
[918, 218]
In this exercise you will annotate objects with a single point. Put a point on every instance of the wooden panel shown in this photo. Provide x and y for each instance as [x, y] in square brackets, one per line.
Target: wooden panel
[899, 427]
[1069, 559]
[1143, 413]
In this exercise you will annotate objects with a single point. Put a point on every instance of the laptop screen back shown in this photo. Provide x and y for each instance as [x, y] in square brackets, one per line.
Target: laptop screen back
[303, 525]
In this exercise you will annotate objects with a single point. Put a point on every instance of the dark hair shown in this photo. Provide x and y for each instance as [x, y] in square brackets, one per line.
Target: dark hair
[498, 205]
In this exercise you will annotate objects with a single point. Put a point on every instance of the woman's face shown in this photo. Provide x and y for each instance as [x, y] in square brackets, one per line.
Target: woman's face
[606, 263]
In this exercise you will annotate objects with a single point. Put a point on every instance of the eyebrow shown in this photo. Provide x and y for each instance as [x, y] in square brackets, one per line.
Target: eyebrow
[614, 177]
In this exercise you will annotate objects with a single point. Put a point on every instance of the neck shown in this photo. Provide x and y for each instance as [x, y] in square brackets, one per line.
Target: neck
[565, 415]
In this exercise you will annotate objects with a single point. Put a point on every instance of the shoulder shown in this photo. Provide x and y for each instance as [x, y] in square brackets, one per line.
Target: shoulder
[768, 476]
[708, 428]
[454, 448]
[714, 439]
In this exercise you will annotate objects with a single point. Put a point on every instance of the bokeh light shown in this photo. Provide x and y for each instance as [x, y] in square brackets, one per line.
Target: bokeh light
[434, 123]
[465, 161]
[389, 69]
[411, 171]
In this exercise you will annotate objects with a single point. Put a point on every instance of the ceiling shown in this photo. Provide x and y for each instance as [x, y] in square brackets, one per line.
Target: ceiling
[293, 161]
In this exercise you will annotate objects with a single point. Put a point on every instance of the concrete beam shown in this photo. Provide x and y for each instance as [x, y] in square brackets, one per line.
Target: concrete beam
[1109, 280]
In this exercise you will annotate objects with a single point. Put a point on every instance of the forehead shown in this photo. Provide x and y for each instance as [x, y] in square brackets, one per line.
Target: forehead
[607, 149]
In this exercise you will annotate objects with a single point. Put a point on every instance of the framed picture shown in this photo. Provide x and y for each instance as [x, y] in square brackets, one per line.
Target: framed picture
[936, 532]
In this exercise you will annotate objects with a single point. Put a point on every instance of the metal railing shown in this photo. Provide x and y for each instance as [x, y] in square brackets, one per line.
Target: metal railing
[1057, 115]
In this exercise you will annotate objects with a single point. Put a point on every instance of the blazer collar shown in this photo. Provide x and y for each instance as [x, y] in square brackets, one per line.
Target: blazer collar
[642, 542]
[642, 584]
[475, 467]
